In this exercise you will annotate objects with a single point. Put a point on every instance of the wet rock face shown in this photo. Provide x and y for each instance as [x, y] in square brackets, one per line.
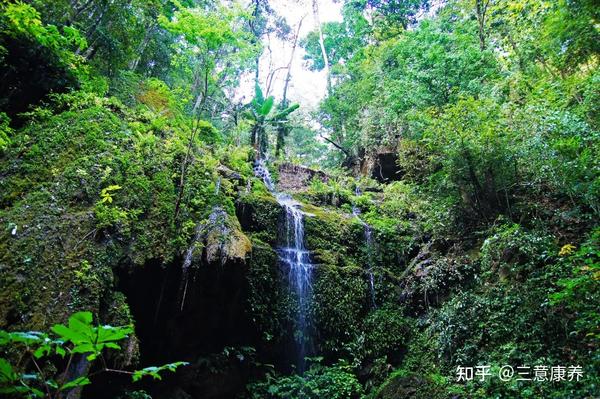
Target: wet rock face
[296, 178]
[223, 239]
[213, 317]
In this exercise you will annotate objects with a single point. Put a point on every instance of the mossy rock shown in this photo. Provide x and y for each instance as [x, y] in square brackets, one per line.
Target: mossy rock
[339, 304]
[330, 230]
[71, 233]
[266, 299]
[50, 268]
[225, 241]
[259, 212]
[116, 312]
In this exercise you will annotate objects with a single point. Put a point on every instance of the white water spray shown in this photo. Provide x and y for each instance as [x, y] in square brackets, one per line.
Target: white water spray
[296, 258]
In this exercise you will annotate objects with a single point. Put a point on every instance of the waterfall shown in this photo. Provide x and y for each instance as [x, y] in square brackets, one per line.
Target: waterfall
[215, 218]
[218, 185]
[294, 256]
[369, 243]
[368, 234]
[261, 171]
[187, 262]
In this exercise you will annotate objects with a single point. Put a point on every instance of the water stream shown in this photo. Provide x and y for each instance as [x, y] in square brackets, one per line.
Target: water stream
[187, 262]
[368, 235]
[218, 186]
[296, 258]
[215, 220]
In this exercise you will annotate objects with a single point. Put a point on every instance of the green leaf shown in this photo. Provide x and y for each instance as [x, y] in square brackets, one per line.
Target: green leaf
[60, 351]
[77, 382]
[258, 94]
[7, 374]
[284, 113]
[112, 345]
[109, 333]
[154, 371]
[66, 333]
[266, 106]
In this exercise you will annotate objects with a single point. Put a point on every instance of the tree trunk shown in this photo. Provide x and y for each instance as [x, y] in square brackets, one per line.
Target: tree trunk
[315, 7]
[282, 131]
[136, 61]
[481, 10]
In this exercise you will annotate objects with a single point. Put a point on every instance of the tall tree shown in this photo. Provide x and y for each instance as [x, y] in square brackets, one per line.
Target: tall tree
[317, 20]
[283, 129]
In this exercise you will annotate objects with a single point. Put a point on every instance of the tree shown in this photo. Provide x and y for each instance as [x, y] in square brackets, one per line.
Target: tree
[213, 52]
[259, 113]
[315, 8]
[282, 128]
[392, 17]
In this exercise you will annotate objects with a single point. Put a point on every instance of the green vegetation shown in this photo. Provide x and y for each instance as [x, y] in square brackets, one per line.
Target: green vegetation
[449, 178]
[334, 382]
[80, 341]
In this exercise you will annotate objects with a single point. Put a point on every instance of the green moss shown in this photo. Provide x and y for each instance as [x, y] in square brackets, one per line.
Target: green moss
[266, 299]
[259, 212]
[339, 304]
[330, 230]
[69, 236]
[51, 268]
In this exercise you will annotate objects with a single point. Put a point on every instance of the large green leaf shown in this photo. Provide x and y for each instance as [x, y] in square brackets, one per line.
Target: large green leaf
[86, 338]
[154, 371]
[258, 95]
[111, 334]
[25, 337]
[285, 112]
[7, 374]
[77, 382]
[267, 106]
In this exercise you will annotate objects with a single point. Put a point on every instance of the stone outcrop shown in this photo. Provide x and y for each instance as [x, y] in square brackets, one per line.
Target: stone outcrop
[293, 178]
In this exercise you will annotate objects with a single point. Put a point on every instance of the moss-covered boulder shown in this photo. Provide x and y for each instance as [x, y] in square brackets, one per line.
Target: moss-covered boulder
[224, 241]
[258, 212]
[267, 297]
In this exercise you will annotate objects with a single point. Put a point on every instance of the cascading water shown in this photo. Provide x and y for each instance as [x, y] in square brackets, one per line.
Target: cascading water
[262, 172]
[368, 234]
[187, 262]
[369, 244]
[296, 258]
[215, 218]
[218, 185]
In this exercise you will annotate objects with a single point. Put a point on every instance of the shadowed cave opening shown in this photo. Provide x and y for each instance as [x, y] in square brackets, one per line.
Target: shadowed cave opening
[213, 318]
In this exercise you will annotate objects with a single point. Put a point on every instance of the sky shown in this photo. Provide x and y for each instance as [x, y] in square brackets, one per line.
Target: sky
[306, 87]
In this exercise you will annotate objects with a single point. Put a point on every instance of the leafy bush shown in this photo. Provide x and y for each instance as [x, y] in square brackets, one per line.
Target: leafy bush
[5, 132]
[386, 333]
[580, 293]
[512, 252]
[79, 338]
[319, 382]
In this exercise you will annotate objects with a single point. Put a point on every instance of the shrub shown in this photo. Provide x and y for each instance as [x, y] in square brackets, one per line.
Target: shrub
[319, 382]
[79, 338]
